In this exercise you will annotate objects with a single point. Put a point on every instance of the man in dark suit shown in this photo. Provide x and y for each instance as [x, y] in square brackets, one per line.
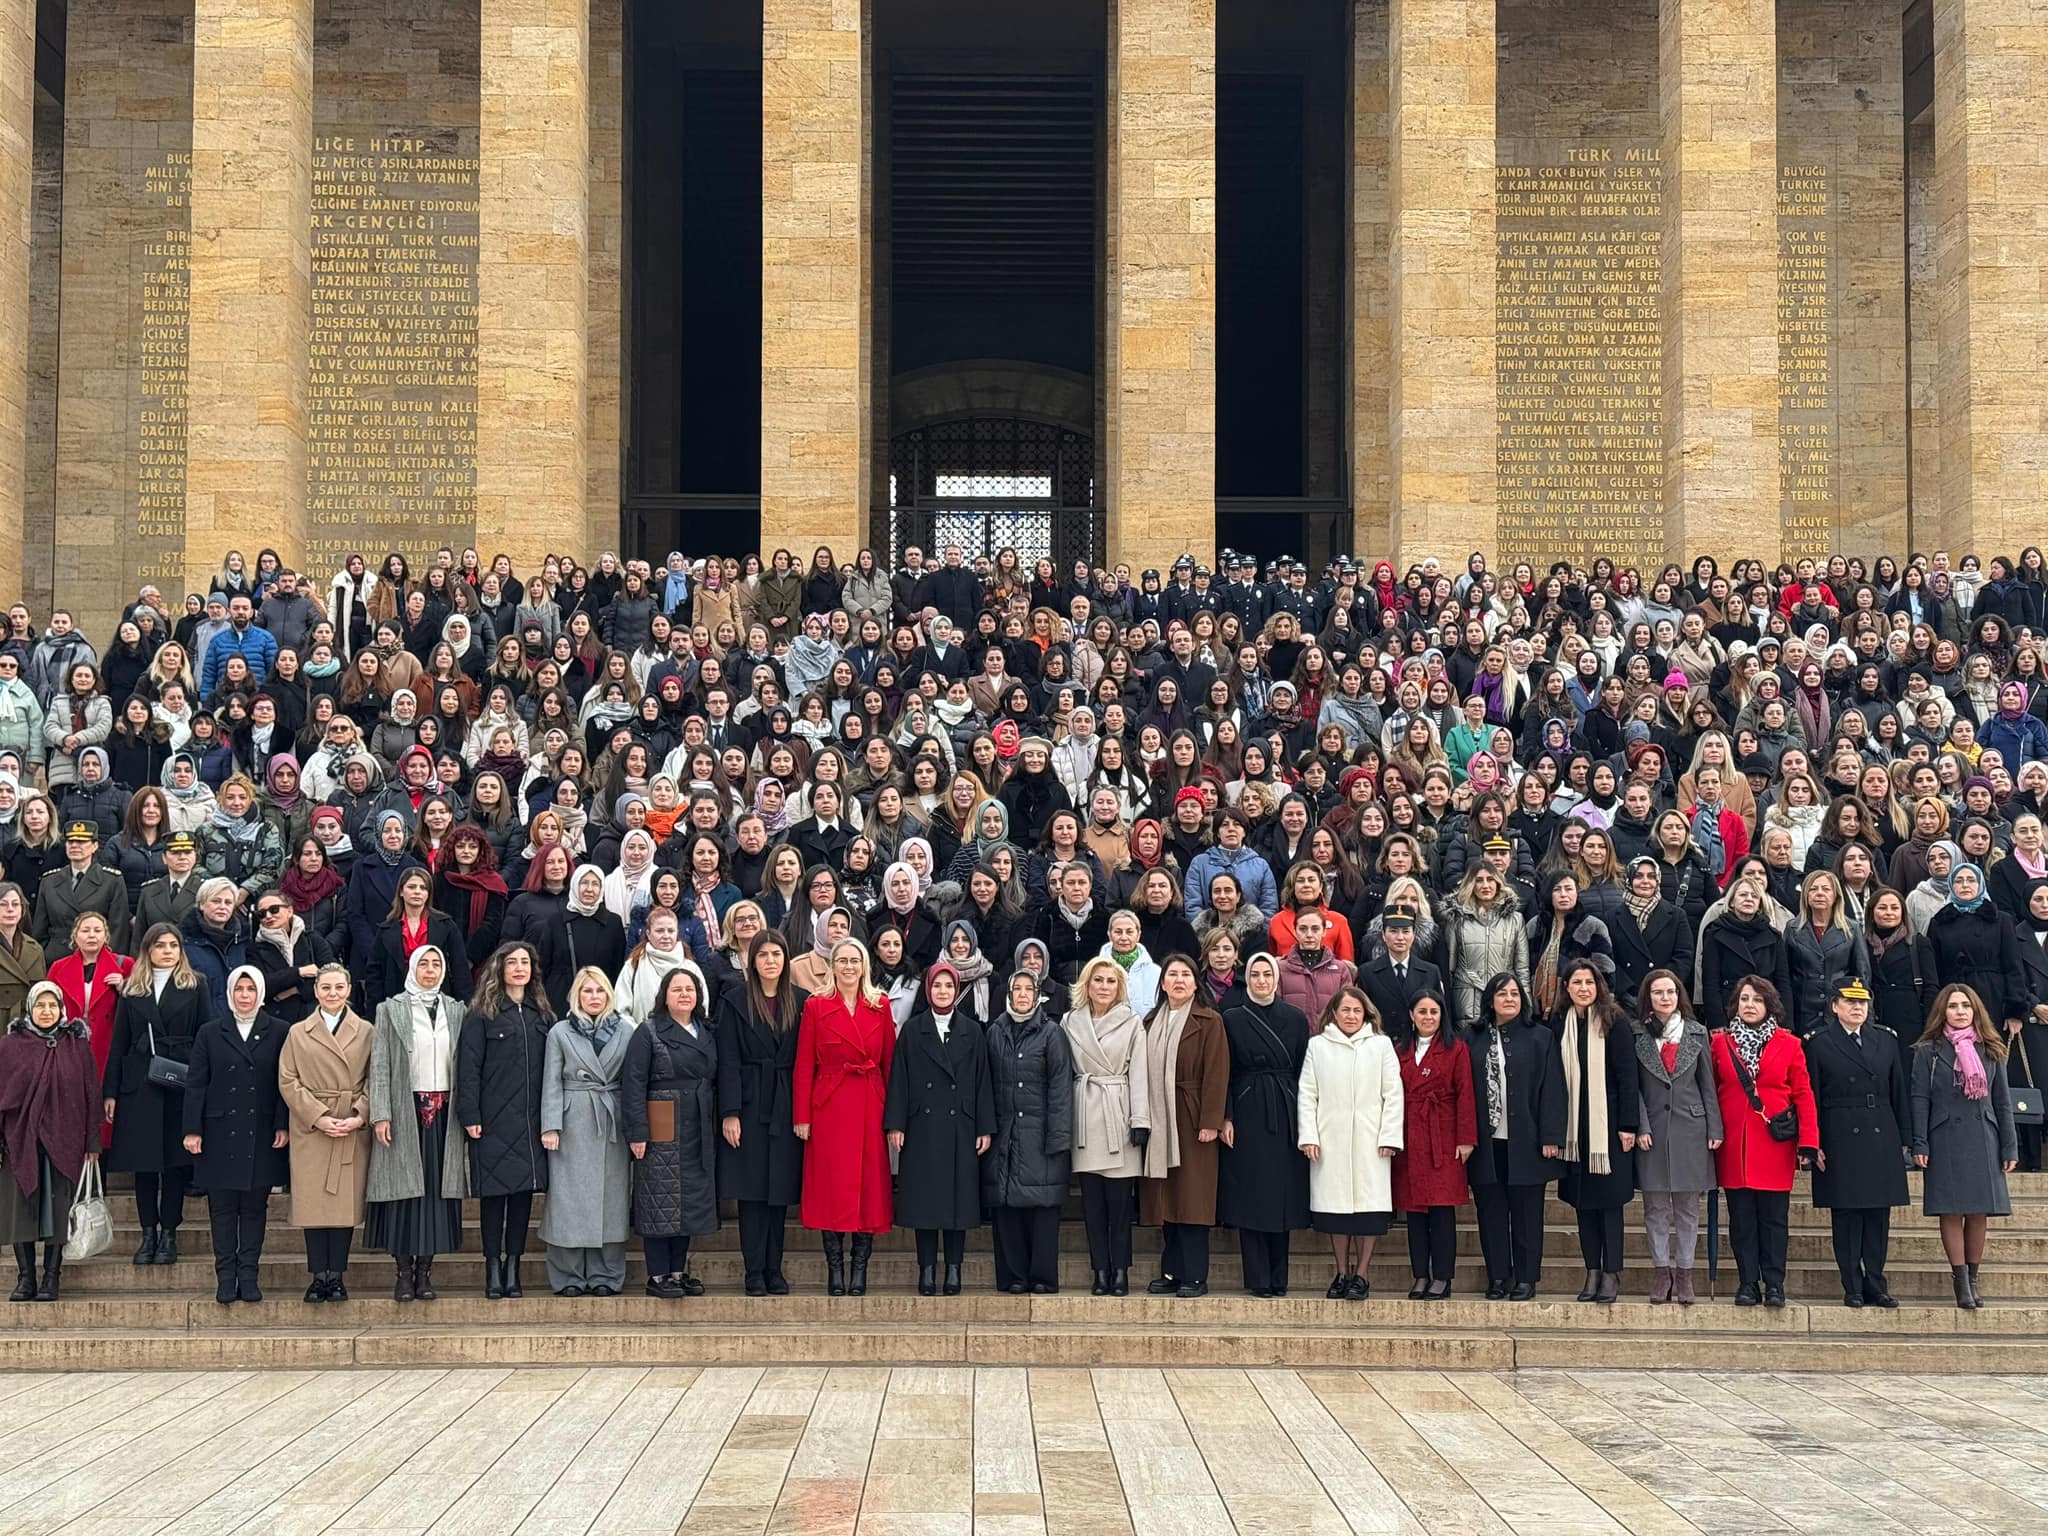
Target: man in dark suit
[79, 885]
[955, 590]
[168, 899]
[1394, 980]
[1861, 1093]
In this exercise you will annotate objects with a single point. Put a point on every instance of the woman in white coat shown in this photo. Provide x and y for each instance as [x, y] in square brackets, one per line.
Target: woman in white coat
[1141, 970]
[1350, 1124]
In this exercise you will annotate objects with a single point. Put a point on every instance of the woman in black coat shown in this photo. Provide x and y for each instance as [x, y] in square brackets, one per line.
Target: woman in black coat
[2030, 1045]
[500, 1064]
[760, 1159]
[413, 914]
[1901, 969]
[1025, 1172]
[939, 1115]
[163, 1002]
[1603, 1112]
[583, 931]
[1518, 1086]
[1974, 946]
[1863, 1105]
[668, 1096]
[1740, 942]
[235, 1130]
[287, 951]
[1262, 1178]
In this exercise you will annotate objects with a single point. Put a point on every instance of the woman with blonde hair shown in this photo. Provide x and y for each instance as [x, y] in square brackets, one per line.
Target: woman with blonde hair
[323, 1075]
[589, 1172]
[1113, 1114]
[1822, 949]
[1714, 750]
[846, 1042]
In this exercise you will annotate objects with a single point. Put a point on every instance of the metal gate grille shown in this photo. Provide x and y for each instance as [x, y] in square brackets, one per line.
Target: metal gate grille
[988, 483]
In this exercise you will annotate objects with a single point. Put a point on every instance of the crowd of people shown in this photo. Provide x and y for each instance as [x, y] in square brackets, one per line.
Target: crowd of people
[919, 897]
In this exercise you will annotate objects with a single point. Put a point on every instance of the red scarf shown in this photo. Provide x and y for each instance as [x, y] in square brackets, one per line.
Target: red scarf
[482, 885]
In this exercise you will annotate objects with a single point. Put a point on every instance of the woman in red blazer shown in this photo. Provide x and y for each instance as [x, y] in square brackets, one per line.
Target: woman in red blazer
[1753, 1056]
[1442, 1128]
[92, 1000]
[845, 1042]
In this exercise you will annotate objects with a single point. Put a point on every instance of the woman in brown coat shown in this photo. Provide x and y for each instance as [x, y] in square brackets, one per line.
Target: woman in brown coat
[323, 1077]
[1188, 1055]
[21, 958]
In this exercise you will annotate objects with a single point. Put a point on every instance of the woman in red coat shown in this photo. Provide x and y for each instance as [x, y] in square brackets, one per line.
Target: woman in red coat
[1442, 1128]
[844, 1046]
[90, 978]
[1759, 1072]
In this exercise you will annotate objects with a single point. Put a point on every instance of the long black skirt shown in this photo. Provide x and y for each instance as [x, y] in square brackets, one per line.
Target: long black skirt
[422, 1227]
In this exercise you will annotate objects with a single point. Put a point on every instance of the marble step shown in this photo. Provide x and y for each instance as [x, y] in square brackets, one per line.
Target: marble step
[895, 1270]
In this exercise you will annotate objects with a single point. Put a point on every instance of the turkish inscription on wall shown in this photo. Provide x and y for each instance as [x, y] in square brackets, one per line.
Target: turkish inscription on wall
[391, 429]
[158, 548]
[1580, 356]
[1807, 424]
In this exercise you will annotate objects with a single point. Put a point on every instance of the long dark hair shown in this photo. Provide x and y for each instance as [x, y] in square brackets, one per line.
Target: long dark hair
[779, 1013]
[490, 986]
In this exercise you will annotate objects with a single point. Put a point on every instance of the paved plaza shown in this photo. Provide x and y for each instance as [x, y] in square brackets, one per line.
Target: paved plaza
[878, 1450]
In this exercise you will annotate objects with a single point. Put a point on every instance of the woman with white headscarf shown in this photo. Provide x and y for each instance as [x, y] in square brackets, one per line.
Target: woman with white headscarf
[419, 1172]
[586, 933]
[235, 1129]
[626, 886]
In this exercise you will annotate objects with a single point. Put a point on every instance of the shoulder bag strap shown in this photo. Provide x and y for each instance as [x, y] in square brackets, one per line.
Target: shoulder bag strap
[1742, 1077]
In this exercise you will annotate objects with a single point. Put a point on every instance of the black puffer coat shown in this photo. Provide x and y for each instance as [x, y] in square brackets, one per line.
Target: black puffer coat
[675, 1183]
[1032, 1072]
[499, 1064]
[940, 1097]
[755, 1086]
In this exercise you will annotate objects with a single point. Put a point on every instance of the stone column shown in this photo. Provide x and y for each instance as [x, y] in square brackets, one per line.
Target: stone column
[1371, 356]
[815, 257]
[251, 280]
[1162, 332]
[532, 282]
[1718, 87]
[607, 250]
[1442, 400]
[17, 140]
[1990, 126]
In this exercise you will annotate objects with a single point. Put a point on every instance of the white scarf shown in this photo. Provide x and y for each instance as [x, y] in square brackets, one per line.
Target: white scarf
[1593, 1086]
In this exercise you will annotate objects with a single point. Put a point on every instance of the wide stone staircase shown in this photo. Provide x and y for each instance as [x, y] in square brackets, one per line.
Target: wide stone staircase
[115, 1316]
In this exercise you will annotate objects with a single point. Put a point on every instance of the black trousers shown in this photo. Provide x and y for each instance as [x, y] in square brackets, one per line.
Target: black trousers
[1433, 1243]
[928, 1245]
[1108, 1207]
[160, 1197]
[505, 1219]
[1185, 1253]
[1027, 1245]
[327, 1249]
[1759, 1230]
[238, 1218]
[667, 1255]
[1510, 1227]
[1862, 1240]
[761, 1233]
[1265, 1259]
[1600, 1240]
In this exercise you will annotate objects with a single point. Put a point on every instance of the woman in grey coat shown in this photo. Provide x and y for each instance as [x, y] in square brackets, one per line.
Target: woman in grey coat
[1681, 1128]
[589, 1174]
[419, 1173]
[1963, 1133]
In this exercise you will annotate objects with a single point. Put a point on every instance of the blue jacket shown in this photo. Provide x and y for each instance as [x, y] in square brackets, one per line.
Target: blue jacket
[255, 645]
[1254, 877]
[2024, 740]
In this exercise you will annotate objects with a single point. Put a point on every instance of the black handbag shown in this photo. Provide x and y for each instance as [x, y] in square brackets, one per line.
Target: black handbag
[1784, 1125]
[2026, 1100]
[165, 1072]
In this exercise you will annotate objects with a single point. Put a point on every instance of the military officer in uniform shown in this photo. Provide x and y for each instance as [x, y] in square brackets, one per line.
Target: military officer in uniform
[80, 884]
[168, 898]
[1861, 1091]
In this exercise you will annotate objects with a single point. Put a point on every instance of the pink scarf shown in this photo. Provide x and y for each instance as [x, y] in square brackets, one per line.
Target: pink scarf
[1969, 1065]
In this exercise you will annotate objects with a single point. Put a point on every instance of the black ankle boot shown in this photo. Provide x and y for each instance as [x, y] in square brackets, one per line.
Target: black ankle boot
[494, 1278]
[952, 1285]
[423, 1279]
[1976, 1296]
[401, 1284]
[1965, 1298]
[835, 1264]
[512, 1290]
[857, 1276]
[53, 1272]
[145, 1252]
[1119, 1282]
[1101, 1285]
[25, 1263]
[166, 1246]
[927, 1279]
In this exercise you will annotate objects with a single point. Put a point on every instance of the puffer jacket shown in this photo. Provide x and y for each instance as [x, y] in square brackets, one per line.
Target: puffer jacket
[1481, 944]
[675, 1182]
[499, 1067]
[1032, 1066]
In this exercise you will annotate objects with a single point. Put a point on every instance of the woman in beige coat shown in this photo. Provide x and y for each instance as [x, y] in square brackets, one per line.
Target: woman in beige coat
[323, 1076]
[1114, 1110]
[712, 602]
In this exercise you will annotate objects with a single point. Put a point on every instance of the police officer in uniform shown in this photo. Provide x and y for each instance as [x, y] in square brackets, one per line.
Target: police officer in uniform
[1860, 1089]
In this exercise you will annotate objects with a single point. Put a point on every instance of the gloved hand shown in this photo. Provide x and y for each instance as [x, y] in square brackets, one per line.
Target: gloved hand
[1140, 1136]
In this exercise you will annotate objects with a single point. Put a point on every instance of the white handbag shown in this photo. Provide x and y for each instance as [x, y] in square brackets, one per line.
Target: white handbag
[92, 1228]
